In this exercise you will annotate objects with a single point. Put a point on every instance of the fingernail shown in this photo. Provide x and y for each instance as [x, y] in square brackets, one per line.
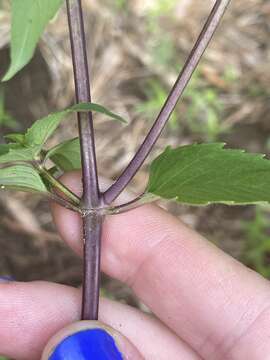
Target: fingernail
[7, 278]
[94, 344]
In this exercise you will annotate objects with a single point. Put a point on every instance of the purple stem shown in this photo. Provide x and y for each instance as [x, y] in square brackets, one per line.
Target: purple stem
[91, 198]
[175, 94]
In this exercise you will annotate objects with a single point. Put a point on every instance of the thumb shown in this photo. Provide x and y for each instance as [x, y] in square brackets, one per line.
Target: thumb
[89, 340]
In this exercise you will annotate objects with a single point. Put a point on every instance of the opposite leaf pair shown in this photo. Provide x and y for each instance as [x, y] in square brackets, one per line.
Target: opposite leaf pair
[194, 174]
[197, 174]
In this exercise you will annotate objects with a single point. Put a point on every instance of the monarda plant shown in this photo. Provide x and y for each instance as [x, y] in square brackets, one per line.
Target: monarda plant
[196, 174]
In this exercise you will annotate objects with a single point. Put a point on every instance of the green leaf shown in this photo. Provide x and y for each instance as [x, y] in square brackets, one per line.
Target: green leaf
[96, 108]
[208, 173]
[67, 155]
[16, 138]
[27, 147]
[29, 19]
[42, 129]
[17, 152]
[39, 133]
[4, 149]
[21, 177]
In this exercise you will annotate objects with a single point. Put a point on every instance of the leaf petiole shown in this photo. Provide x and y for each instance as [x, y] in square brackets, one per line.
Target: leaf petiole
[63, 202]
[75, 200]
[133, 204]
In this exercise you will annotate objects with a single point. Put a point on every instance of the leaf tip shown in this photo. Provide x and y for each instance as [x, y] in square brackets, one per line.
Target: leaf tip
[8, 75]
[168, 148]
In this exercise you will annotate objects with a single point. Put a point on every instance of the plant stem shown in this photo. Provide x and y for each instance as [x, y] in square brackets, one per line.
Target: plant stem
[91, 199]
[131, 205]
[176, 92]
[58, 185]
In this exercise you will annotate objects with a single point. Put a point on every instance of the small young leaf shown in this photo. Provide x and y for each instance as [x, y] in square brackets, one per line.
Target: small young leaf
[67, 155]
[43, 128]
[21, 177]
[39, 133]
[16, 138]
[96, 108]
[208, 173]
[18, 153]
[29, 19]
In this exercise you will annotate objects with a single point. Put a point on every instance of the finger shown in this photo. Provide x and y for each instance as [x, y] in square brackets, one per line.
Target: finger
[31, 313]
[89, 340]
[207, 297]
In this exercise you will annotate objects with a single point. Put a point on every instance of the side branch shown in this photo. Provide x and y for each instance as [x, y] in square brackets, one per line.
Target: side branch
[175, 94]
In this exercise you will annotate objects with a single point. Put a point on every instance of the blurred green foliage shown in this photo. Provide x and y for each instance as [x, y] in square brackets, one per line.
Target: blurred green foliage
[120, 4]
[230, 74]
[257, 246]
[204, 108]
[158, 9]
[155, 94]
[162, 51]
[162, 7]
[6, 120]
[204, 113]
[257, 91]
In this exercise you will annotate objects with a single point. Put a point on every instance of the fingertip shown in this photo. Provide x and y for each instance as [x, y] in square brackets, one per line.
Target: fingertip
[89, 340]
[73, 180]
[5, 279]
[69, 226]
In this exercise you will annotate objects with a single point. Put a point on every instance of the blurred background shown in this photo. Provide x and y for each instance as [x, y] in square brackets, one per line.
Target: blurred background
[136, 50]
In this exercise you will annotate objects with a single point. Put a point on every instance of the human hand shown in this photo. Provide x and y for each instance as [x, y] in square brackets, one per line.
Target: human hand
[207, 305]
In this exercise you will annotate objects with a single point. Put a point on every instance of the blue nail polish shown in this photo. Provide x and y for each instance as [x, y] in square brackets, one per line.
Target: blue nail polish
[6, 278]
[94, 344]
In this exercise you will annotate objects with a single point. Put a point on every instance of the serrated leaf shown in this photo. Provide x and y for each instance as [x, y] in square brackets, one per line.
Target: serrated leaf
[67, 155]
[208, 173]
[43, 128]
[26, 147]
[39, 133]
[17, 152]
[29, 19]
[21, 177]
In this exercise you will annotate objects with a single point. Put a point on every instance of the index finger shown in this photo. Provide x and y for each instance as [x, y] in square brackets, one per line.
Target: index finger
[205, 296]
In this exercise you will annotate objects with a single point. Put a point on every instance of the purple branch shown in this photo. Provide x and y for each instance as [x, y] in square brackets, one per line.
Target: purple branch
[176, 92]
[91, 195]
